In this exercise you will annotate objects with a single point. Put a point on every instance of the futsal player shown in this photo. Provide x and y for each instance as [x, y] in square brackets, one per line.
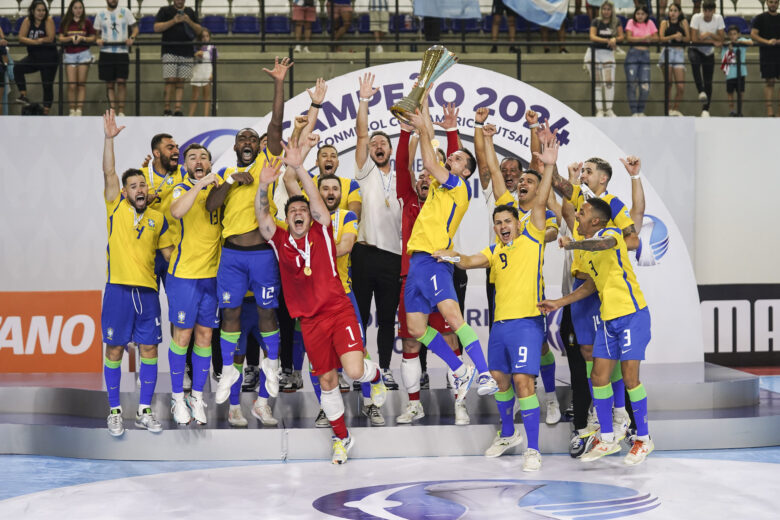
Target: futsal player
[192, 283]
[624, 328]
[131, 307]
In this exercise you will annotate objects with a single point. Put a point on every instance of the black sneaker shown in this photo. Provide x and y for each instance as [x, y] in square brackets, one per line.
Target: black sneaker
[356, 386]
[251, 378]
[494, 49]
[178, 113]
[387, 377]
[167, 112]
[425, 382]
[512, 48]
[23, 100]
[579, 446]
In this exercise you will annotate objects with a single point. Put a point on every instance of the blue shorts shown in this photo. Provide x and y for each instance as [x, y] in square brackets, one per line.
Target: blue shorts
[624, 338]
[515, 346]
[192, 301]
[249, 326]
[130, 313]
[240, 271]
[585, 316]
[160, 269]
[428, 283]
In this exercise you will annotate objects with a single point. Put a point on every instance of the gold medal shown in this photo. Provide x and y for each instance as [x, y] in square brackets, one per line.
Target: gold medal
[387, 203]
[307, 270]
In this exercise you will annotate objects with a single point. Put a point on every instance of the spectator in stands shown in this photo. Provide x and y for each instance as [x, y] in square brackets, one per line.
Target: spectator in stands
[202, 73]
[545, 33]
[498, 11]
[37, 33]
[3, 61]
[178, 25]
[766, 31]
[708, 31]
[605, 32]
[117, 30]
[735, 79]
[303, 15]
[640, 29]
[675, 31]
[340, 14]
[379, 18]
[76, 34]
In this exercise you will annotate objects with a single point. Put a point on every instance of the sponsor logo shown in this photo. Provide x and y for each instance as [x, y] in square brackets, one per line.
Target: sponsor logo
[653, 241]
[454, 499]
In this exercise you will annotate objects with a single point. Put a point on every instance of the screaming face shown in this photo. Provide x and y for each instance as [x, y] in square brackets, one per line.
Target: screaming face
[168, 152]
[379, 148]
[423, 185]
[298, 219]
[526, 188]
[511, 171]
[247, 146]
[135, 191]
[197, 163]
[505, 224]
[327, 160]
[330, 191]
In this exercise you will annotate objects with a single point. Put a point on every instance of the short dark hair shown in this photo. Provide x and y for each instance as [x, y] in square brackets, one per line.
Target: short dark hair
[512, 158]
[132, 172]
[293, 199]
[196, 146]
[732, 28]
[534, 172]
[601, 208]
[602, 165]
[323, 178]
[708, 4]
[157, 139]
[506, 207]
[472, 162]
[326, 146]
[379, 132]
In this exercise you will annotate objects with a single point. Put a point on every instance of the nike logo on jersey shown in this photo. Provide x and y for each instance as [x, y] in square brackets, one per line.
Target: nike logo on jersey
[352, 345]
[266, 303]
[437, 292]
[518, 365]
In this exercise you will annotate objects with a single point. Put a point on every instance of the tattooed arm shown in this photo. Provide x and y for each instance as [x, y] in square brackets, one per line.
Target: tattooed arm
[262, 205]
[588, 244]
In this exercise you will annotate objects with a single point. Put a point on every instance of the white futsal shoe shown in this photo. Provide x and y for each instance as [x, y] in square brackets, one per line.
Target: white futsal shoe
[463, 383]
[501, 444]
[198, 408]
[600, 449]
[487, 385]
[374, 415]
[271, 370]
[532, 460]
[236, 417]
[620, 423]
[322, 420]
[553, 411]
[180, 411]
[340, 449]
[148, 421]
[461, 414]
[639, 452]
[229, 377]
[116, 426]
[262, 412]
[414, 412]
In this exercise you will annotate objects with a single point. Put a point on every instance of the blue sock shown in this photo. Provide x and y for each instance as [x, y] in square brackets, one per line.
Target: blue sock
[506, 405]
[315, 382]
[148, 374]
[365, 389]
[438, 346]
[548, 372]
[177, 359]
[235, 390]
[638, 397]
[602, 400]
[468, 337]
[271, 341]
[298, 350]
[112, 373]
[227, 344]
[529, 410]
[618, 387]
[261, 391]
[201, 361]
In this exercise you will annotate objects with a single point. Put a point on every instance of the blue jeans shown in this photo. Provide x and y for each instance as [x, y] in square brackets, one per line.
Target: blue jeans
[637, 67]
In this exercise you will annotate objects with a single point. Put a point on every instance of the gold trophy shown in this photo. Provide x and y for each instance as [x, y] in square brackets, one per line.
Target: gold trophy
[435, 62]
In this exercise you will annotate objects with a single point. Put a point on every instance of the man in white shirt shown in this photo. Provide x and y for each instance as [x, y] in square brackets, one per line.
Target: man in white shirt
[707, 30]
[376, 257]
[117, 30]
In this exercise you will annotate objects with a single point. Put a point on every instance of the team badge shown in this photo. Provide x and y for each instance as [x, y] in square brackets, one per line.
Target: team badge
[151, 222]
[170, 180]
[109, 333]
[176, 193]
[225, 297]
[182, 316]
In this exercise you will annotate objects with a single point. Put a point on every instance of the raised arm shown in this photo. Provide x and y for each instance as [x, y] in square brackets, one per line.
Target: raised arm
[404, 186]
[111, 186]
[548, 156]
[561, 186]
[450, 125]
[430, 160]
[299, 123]
[637, 211]
[365, 94]
[479, 147]
[265, 220]
[497, 180]
[532, 118]
[277, 74]
[317, 95]
[182, 204]
[294, 159]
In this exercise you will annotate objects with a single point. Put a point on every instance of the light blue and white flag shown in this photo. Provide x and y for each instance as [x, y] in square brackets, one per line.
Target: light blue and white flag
[547, 13]
[447, 8]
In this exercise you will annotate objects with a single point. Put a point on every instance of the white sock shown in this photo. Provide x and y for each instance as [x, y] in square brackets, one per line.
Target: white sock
[332, 404]
[461, 371]
[197, 395]
[142, 407]
[177, 396]
[608, 437]
[261, 401]
[643, 438]
[234, 406]
[411, 370]
[367, 401]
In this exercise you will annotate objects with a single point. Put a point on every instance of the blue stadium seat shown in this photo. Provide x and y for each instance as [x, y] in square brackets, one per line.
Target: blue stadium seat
[740, 22]
[316, 26]
[57, 19]
[364, 24]
[18, 24]
[146, 25]
[277, 25]
[581, 23]
[623, 21]
[524, 25]
[6, 26]
[215, 23]
[487, 24]
[399, 21]
[246, 25]
[471, 25]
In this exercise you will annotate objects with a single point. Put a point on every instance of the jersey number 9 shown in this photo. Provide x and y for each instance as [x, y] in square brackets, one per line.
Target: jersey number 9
[502, 257]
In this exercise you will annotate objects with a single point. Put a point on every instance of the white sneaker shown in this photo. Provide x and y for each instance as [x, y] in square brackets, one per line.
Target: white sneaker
[271, 370]
[414, 412]
[148, 421]
[262, 412]
[322, 420]
[121, 114]
[297, 48]
[601, 449]
[236, 417]
[610, 113]
[702, 96]
[229, 377]
[636, 114]
[593, 425]
[115, 422]
[532, 460]
[675, 113]
[372, 412]
[487, 385]
[461, 414]
[705, 113]
[553, 412]
[641, 114]
[379, 49]
[620, 423]
[463, 383]
[72, 112]
[181, 414]
[501, 444]
[77, 112]
[198, 408]
[639, 452]
[306, 49]
[599, 113]
[340, 449]
[379, 393]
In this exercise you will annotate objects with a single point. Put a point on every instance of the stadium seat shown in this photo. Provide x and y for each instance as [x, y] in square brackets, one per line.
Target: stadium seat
[487, 24]
[146, 25]
[740, 22]
[244, 7]
[277, 24]
[316, 26]
[57, 19]
[471, 25]
[364, 24]
[6, 26]
[399, 21]
[216, 24]
[623, 21]
[18, 24]
[246, 25]
[581, 23]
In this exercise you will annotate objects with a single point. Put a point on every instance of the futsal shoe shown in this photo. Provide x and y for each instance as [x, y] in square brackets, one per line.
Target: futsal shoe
[116, 426]
[322, 420]
[501, 444]
[620, 423]
[553, 412]
[463, 383]
[271, 371]
[389, 380]
[414, 412]
[147, 420]
[580, 445]
[340, 449]
[378, 393]
[186, 384]
[593, 425]
[236, 417]
[425, 381]
[344, 386]
[601, 449]
[262, 412]
[639, 452]
[372, 412]
[532, 460]
[487, 385]
[251, 378]
[198, 408]
[180, 411]
[461, 414]
[292, 382]
[229, 377]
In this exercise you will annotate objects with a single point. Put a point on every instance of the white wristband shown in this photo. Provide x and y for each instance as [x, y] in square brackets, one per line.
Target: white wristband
[534, 125]
[478, 125]
[365, 99]
[230, 179]
[635, 177]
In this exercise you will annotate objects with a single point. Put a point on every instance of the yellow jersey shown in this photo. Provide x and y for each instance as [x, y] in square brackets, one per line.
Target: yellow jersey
[551, 221]
[350, 191]
[239, 211]
[621, 219]
[516, 269]
[344, 221]
[133, 241]
[440, 216]
[163, 186]
[614, 277]
[198, 243]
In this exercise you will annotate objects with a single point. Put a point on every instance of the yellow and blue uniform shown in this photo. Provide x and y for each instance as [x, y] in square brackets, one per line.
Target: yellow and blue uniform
[350, 191]
[515, 343]
[131, 307]
[624, 331]
[346, 222]
[551, 221]
[252, 268]
[585, 313]
[162, 185]
[192, 274]
[430, 282]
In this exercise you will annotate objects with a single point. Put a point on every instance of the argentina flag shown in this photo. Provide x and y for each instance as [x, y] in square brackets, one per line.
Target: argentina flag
[547, 13]
[448, 8]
